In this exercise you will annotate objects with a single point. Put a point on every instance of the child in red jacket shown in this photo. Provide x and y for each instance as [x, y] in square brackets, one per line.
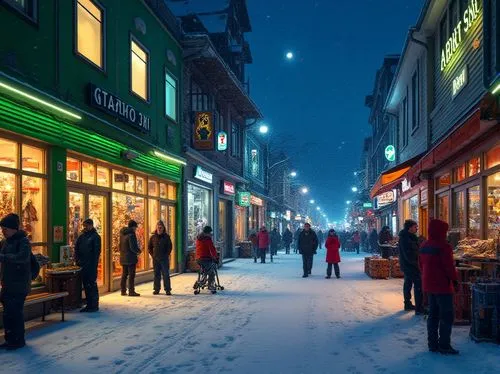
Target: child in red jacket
[332, 254]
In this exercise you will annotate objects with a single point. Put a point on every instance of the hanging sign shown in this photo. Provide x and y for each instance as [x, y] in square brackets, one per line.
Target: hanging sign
[367, 205]
[111, 104]
[228, 188]
[298, 217]
[203, 175]
[405, 185]
[243, 199]
[390, 153]
[203, 131]
[221, 141]
[459, 82]
[254, 200]
[384, 199]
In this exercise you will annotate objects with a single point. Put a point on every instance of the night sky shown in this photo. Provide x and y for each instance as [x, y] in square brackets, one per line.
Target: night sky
[315, 103]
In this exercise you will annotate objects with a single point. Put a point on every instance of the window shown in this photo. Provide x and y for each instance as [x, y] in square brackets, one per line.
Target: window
[443, 208]
[460, 173]
[171, 96]
[474, 166]
[474, 211]
[139, 70]
[405, 121]
[493, 157]
[90, 31]
[235, 140]
[26, 7]
[443, 181]
[493, 206]
[199, 214]
[459, 212]
[415, 102]
[200, 101]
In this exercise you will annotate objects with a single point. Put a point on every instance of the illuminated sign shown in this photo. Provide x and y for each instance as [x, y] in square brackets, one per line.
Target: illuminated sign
[203, 131]
[470, 15]
[243, 199]
[390, 153]
[228, 188]
[459, 82]
[405, 185]
[203, 175]
[298, 217]
[256, 201]
[221, 141]
[367, 205]
[288, 215]
[384, 199]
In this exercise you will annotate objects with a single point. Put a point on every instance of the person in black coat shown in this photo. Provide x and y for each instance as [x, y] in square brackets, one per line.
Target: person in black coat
[129, 256]
[384, 240]
[296, 236]
[373, 241]
[308, 245]
[408, 261]
[321, 238]
[275, 242]
[160, 247]
[287, 240]
[15, 277]
[87, 254]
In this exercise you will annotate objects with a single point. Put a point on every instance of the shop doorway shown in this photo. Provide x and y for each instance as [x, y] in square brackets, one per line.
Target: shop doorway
[94, 205]
[224, 232]
[167, 215]
[424, 221]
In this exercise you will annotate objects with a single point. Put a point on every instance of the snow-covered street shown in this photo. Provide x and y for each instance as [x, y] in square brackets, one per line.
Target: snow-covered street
[268, 320]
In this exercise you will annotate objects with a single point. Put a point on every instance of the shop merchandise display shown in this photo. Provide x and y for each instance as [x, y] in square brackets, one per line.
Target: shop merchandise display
[59, 268]
[486, 312]
[477, 248]
[395, 268]
[380, 268]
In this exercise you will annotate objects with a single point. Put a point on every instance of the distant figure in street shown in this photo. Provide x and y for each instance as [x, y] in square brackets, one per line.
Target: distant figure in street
[87, 254]
[320, 238]
[129, 256]
[356, 239]
[408, 262]
[373, 241]
[160, 247]
[15, 277]
[344, 237]
[332, 254]
[255, 245]
[275, 242]
[364, 240]
[287, 240]
[263, 238]
[384, 240]
[308, 245]
[206, 254]
[439, 277]
[296, 236]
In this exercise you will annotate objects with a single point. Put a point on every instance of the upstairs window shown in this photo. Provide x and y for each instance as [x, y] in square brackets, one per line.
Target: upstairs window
[90, 31]
[171, 96]
[404, 121]
[139, 70]
[26, 7]
[235, 140]
[415, 102]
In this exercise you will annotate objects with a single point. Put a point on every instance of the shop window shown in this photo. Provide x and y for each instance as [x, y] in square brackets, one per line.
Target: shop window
[32, 159]
[118, 179]
[26, 7]
[172, 192]
[32, 217]
[459, 213]
[493, 157]
[139, 74]
[139, 185]
[129, 183]
[474, 200]
[493, 204]
[443, 208]
[171, 96]
[459, 173]
[199, 212]
[8, 156]
[221, 232]
[474, 166]
[163, 191]
[76, 211]
[73, 170]
[102, 176]
[154, 213]
[443, 181]
[88, 173]
[240, 223]
[90, 31]
[7, 194]
[152, 188]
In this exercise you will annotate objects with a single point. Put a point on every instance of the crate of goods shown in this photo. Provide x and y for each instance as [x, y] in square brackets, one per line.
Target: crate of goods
[380, 268]
[462, 300]
[486, 312]
[395, 269]
[477, 249]
[245, 249]
[367, 265]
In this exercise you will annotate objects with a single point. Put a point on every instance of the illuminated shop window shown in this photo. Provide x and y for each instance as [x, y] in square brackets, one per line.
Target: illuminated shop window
[474, 207]
[493, 206]
[443, 181]
[89, 30]
[171, 96]
[139, 61]
[460, 173]
[73, 169]
[474, 166]
[493, 157]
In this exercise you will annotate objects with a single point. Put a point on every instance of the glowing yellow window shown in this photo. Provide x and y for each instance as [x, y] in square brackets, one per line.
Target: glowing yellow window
[89, 24]
[139, 60]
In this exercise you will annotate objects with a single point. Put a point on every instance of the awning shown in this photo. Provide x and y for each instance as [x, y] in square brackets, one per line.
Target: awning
[391, 178]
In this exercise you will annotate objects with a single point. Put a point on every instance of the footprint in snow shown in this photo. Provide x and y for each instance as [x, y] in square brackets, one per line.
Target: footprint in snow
[230, 338]
[231, 358]
[222, 345]
[118, 362]
[93, 358]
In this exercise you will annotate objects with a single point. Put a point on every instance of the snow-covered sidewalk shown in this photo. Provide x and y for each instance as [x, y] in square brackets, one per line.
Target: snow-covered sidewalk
[268, 320]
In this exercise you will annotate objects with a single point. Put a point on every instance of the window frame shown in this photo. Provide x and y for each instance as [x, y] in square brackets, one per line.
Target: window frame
[132, 38]
[405, 120]
[415, 100]
[102, 8]
[171, 75]
[18, 10]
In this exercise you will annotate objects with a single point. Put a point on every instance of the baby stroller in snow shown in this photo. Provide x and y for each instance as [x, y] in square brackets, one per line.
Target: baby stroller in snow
[208, 277]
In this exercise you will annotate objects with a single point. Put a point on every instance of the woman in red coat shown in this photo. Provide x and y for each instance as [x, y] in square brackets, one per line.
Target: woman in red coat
[332, 254]
[263, 239]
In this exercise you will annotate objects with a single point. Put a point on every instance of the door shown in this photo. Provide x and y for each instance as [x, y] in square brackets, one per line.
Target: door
[168, 216]
[424, 221]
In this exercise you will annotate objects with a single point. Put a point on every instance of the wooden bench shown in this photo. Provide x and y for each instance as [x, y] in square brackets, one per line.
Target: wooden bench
[43, 298]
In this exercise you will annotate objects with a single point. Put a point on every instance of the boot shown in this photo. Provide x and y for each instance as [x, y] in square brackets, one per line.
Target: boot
[124, 293]
[156, 292]
[327, 277]
[409, 307]
[133, 293]
[168, 293]
[449, 350]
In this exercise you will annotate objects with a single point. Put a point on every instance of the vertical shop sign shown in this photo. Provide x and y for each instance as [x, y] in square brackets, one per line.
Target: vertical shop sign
[221, 141]
[203, 131]
[243, 199]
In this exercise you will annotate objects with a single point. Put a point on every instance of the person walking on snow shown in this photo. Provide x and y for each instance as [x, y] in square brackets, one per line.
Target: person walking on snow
[439, 277]
[364, 240]
[332, 254]
[160, 247]
[408, 262]
[320, 238]
[308, 245]
[296, 236]
[87, 254]
[206, 254]
[255, 245]
[275, 242]
[356, 239]
[129, 256]
[287, 240]
[384, 242]
[263, 239]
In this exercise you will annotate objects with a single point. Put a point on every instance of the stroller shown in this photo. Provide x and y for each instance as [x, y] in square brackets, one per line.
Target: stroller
[204, 274]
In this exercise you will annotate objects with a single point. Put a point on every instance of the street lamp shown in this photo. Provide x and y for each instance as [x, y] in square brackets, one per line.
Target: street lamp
[293, 174]
[304, 190]
[348, 202]
[264, 129]
[318, 208]
[312, 201]
[354, 189]
[289, 55]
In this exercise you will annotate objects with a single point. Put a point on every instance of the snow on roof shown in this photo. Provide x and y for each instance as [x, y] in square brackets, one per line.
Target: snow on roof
[214, 23]
[186, 7]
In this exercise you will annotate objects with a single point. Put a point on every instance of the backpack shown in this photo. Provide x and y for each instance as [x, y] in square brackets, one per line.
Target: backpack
[35, 267]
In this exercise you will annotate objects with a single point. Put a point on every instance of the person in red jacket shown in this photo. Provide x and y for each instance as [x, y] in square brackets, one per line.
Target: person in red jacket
[206, 254]
[438, 277]
[263, 239]
[332, 254]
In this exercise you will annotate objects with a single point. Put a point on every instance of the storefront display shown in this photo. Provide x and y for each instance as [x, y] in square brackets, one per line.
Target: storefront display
[411, 208]
[443, 207]
[199, 215]
[474, 212]
[240, 223]
[493, 206]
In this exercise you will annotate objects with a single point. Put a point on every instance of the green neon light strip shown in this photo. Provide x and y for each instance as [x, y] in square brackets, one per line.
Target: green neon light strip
[168, 158]
[496, 89]
[40, 101]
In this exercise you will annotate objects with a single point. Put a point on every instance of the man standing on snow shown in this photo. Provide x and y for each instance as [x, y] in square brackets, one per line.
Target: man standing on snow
[263, 239]
[129, 256]
[308, 245]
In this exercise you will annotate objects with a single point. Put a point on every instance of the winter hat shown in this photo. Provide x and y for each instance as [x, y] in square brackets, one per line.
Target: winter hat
[409, 223]
[10, 221]
[132, 224]
[207, 230]
[88, 221]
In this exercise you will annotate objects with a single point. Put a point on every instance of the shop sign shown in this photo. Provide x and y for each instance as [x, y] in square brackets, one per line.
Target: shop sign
[243, 199]
[385, 199]
[203, 131]
[288, 215]
[405, 185]
[390, 153]
[298, 217]
[203, 175]
[228, 188]
[424, 197]
[254, 200]
[367, 205]
[111, 104]
[221, 141]
[459, 82]
[470, 15]
[272, 214]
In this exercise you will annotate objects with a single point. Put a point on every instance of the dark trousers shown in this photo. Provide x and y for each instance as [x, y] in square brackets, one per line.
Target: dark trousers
[89, 281]
[440, 320]
[287, 248]
[329, 270]
[356, 246]
[262, 253]
[208, 269]
[307, 263]
[161, 269]
[415, 281]
[128, 271]
[13, 317]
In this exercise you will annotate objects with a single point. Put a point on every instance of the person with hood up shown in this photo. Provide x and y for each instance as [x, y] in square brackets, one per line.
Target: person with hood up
[160, 247]
[439, 278]
[275, 242]
[264, 240]
[15, 277]
[408, 262]
[206, 254]
[287, 240]
[332, 254]
[384, 242]
[87, 254]
[129, 256]
[308, 245]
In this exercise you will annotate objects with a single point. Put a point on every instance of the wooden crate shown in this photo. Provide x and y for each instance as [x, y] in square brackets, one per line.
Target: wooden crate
[380, 268]
[395, 269]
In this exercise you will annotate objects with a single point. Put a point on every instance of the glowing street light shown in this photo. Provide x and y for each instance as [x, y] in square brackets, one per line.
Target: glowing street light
[304, 190]
[293, 174]
[289, 55]
[318, 208]
[263, 129]
[312, 201]
[354, 189]
[348, 202]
